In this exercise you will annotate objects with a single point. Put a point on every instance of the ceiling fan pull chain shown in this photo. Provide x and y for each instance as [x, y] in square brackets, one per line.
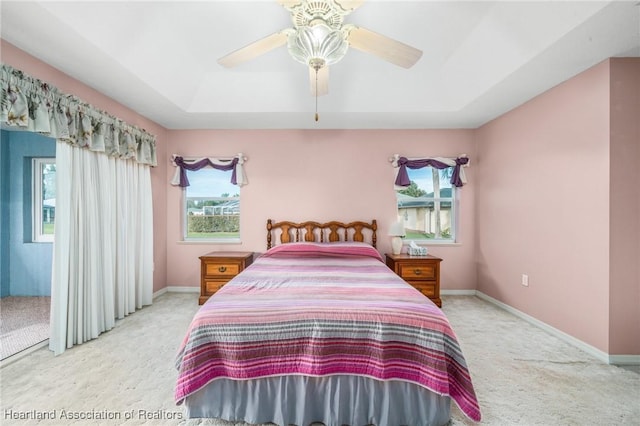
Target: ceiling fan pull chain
[316, 93]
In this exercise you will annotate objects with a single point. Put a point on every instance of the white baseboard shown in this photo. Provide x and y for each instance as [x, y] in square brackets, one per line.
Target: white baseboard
[160, 292]
[176, 289]
[592, 350]
[183, 289]
[457, 292]
[624, 359]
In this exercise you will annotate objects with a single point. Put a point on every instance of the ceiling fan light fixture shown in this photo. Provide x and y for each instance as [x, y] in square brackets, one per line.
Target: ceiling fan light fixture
[319, 39]
[317, 42]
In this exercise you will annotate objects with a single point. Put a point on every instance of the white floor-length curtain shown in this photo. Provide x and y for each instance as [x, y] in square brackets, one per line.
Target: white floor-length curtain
[103, 250]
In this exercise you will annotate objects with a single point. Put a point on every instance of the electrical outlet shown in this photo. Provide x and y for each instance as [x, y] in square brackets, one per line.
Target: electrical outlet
[525, 280]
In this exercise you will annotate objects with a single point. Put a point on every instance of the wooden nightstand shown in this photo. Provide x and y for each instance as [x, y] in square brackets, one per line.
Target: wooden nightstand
[218, 267]
[422, 272]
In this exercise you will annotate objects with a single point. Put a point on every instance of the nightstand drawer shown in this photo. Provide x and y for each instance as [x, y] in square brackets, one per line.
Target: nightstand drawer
[213, 286]
[222, 269]
[426, 289]
[417, 271]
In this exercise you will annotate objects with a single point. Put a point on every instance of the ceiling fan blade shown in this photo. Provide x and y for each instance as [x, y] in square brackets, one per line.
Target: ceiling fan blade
[289, 3]
[254, 49]
[350, 5]
[323, 81]
[384, 47]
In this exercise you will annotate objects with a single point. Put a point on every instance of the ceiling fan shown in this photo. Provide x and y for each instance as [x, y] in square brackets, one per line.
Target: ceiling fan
[319, 39]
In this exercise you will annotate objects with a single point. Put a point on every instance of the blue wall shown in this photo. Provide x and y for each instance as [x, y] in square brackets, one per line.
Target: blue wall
[26, 266]
[4, 214]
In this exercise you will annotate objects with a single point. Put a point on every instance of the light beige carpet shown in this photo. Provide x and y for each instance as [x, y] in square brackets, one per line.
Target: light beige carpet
[24, 322]
[522, 375]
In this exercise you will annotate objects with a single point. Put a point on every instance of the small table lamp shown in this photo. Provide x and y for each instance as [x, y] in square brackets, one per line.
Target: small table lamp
[396, 230]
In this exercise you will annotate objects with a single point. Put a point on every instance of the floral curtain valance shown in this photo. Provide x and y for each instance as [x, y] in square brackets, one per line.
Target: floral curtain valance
[33, 105]
[458, 177]
[234, 164]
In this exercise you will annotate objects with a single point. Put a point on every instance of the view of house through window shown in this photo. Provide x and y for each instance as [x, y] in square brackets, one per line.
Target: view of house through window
[212, 206]
[427, 206]
[44, 198]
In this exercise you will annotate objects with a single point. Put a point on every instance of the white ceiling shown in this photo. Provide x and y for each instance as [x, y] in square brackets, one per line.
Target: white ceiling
[481, 59]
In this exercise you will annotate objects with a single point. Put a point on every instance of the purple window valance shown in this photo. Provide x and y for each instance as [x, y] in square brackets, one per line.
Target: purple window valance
[235, 165]
[458, 178]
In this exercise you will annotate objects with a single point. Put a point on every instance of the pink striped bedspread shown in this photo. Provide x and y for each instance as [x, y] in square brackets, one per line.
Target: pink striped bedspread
[323, 309]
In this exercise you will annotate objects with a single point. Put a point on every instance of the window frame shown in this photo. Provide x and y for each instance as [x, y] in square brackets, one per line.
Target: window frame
[455, 217]
[185, 214]
[37, 201]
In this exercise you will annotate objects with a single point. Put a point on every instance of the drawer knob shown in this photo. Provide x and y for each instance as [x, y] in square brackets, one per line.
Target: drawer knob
[222, 269]
[417, 271]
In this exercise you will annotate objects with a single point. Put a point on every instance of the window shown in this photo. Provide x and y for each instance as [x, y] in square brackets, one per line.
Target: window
[212, 206]
[44, 198]
[427, 205]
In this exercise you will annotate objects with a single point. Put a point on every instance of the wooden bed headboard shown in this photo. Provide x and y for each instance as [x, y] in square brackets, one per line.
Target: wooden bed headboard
[330, 232]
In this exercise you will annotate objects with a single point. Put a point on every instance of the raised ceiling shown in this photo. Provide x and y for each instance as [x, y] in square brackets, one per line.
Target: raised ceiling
[481, 59]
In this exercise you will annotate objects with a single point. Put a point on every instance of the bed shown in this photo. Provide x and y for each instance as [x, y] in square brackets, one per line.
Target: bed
[319, 329]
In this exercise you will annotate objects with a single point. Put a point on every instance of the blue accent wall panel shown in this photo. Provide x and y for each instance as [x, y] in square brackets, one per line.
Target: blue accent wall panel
[4, 213]
[29, 263]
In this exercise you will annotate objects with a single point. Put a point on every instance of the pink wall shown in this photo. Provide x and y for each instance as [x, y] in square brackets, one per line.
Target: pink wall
[18, 59]
[543, 207]
[320, 175]
[557, 199]
[624, 257]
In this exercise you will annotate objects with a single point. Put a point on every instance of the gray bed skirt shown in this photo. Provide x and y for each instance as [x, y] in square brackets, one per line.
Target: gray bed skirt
[332, 400]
